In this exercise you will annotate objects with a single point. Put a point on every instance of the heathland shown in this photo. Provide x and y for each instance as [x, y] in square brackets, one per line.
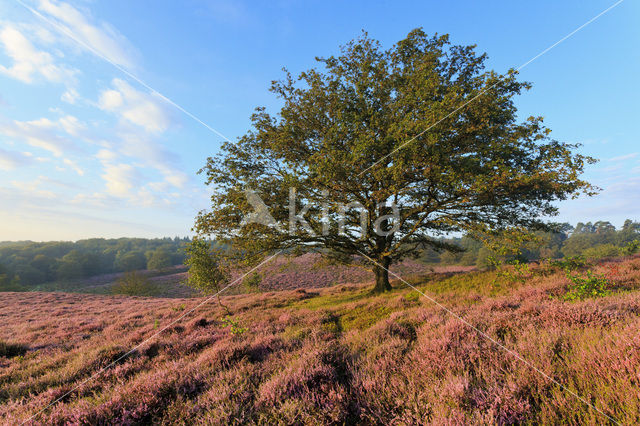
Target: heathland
[522, 344]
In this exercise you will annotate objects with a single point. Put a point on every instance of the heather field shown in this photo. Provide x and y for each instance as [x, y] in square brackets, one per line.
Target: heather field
[334, 355]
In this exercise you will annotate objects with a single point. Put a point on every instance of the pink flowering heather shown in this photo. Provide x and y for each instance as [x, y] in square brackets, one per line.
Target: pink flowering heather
[333, 355]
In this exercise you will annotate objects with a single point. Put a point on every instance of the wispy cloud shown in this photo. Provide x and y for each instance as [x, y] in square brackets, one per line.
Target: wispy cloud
[46, 134]
[29, 62]
[71, 96]
[100, 36]
[624, 157]
[10, 160]
[120, 179]
[142, 109]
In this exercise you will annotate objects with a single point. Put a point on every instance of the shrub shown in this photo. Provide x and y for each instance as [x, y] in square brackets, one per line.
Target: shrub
[205, 272]
[631, 247]
[569, 263]
[518, 272]
[135, 284]
[252, 281]
[591, 285]
[601, 251]
[236, 327]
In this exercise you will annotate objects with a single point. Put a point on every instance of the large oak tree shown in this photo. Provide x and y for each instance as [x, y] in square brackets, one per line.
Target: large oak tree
[421, 125]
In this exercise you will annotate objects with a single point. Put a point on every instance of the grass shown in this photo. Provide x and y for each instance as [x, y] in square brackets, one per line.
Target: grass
[337, 355]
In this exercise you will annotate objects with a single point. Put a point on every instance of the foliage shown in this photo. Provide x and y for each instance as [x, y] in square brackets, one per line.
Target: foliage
[159, 259]
[205, 272]
[341, 138]
[36, 263]
[568, 264]
[631, 247]
[601, 251]
[9, 282]
[515, 271]
[235, 327]
[252, 281]
[135, 284]
[588, 240]
[589, 285]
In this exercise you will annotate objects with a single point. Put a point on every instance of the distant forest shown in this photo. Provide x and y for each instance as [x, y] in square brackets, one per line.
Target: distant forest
[589, 240]
[27, 263]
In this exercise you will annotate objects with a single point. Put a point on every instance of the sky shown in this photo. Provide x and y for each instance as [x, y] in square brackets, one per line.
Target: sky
[109, 108]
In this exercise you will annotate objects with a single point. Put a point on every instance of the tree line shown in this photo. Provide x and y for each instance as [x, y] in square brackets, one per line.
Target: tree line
[590, 240]
[26, 263]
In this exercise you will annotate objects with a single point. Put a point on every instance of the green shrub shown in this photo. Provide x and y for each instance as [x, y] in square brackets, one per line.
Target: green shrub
[631, 247]
[252, 281]
[135, 284]
[236, 327]
[591, 285]
[569, 263]
[601, 251]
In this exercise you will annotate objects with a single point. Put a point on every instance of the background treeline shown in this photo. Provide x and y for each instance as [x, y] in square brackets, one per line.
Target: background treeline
[590, 240]
[28, 263]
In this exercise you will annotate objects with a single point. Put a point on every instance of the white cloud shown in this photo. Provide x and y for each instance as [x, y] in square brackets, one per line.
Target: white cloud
[45, 133]
[71, 125]
[74, 166]
[106, 155]
[71, 96]
[120, 179]
[156, 156]
[28, 62]
[624, 157]
[101, 37]
[148, 111]
[10, 160]
[110, 100]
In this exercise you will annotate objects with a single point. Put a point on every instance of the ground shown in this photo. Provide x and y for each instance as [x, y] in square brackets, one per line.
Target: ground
[510, 349]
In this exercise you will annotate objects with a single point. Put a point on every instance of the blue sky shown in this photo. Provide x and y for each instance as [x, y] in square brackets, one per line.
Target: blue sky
[88, 151]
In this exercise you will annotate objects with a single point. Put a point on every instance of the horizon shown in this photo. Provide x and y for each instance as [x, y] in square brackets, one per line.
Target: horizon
[87, 151]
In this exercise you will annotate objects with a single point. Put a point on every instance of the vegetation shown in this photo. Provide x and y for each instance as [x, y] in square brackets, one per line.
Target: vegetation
[584, 241]
[26, 264]
[135, 284]
[205, 271]
[590, 285]
[338, 355]
[340, 140]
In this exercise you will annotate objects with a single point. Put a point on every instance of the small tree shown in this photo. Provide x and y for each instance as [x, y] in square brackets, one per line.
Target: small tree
[420, 126]
[135, 284]
[160, 259]
[205, 272]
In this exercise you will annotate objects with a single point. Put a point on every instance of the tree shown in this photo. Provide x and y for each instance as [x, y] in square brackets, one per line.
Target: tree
[205, 273]
[130, 261]
[135, 284]
[420, 126]
[160, 259]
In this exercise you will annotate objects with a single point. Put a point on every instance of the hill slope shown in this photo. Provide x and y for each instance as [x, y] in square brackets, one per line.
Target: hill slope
[330, 356]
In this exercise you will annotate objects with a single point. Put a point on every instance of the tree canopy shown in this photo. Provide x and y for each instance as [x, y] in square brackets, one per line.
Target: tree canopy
[385, 151]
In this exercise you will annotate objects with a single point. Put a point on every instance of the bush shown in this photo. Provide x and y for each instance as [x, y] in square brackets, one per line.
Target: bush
[567, 264]
[601, 251]
[135, 284]
[591, 285]
[631, 247]
[159, 260]
[252, 281]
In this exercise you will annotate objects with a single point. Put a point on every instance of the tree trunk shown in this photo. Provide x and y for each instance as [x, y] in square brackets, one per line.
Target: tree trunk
[381, 270]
